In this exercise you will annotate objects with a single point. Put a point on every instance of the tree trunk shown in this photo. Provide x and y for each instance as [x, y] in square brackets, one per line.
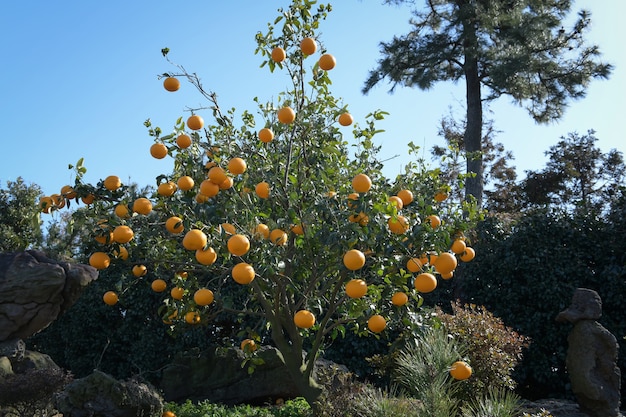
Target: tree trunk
[473, 132]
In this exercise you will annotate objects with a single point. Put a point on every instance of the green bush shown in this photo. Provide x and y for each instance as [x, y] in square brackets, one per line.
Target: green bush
[292, 408]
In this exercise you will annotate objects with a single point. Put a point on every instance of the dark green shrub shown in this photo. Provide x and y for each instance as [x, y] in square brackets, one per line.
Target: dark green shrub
[32, 386]
[292, 408]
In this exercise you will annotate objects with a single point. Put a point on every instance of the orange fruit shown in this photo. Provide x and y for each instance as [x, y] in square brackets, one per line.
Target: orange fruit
[58, 200]
[123, 234]
[360, 218]
[195, 122]
[217, 175]
[361, 183]
[229, 228]
[447, 275]
[398, 224]
[376, 323]
[121, 252]
[243, 273]
[286, 115]
[399, 299]
[237, 166]
[104, 237]
[183, 141]
[414, 265]
[122, 211]
[406, 196]
[458, 246]
[142, 206]
[192, 317]
[201, 198]
[171, 84]
[262, 230]
[434, 221]
[425, 282]
[227, 184]
[158, 285]
[110, 298]
[68, 192]
[177, 293]
[185, 183]
[445, 263]
[468, 254]
[88, 199]
[297, 229]
[396, 201]
[248, 346]
[327, 62]
[45, 204]
[278, 237]
[194, 239]
[441, 196]
[168, 413]
[353, 197]
[460, 370]
[266, 135]
[356, 288]
[140, 270]
[203, 297]
[304, 319]
[238, 245]
[174, 225]
[99, 260]
[278, 54]
[166, 189]
[206, 256]
[158, 151]
[354, 259]
[308, 46]
[112, 183]
[209, 188]
[346, 119]
[262, 189]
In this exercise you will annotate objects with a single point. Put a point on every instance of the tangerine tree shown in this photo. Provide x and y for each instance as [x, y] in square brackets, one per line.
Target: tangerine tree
[287, 205]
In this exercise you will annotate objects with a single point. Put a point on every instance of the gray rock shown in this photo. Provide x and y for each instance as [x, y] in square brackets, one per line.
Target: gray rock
[591, 359]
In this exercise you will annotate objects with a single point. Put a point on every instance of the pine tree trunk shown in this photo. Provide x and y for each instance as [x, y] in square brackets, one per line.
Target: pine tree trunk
[473, 131]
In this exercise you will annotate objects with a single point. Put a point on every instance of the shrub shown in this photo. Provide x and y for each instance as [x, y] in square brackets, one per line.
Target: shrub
[33, 385]
[496, 402]
[376, 402]
[292, 408]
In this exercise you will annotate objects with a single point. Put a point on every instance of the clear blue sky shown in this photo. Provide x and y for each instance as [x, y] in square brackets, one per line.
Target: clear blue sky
[80, 78]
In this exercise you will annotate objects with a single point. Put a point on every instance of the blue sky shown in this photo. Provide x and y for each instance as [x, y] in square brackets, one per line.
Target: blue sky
[80, 78]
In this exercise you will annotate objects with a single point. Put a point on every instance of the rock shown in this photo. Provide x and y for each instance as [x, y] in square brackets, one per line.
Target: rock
[100, 394]
[35, 290]
[591, 359]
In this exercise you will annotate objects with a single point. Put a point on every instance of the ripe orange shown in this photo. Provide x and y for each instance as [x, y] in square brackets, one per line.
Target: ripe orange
[237, 166]
[68, 192]
[376, 323]
[286, 115]
[248, 346]
[278, 54]
[195, 122]
[58, 200]
[361, 183]
[112, 183]
[217, 175]
[448, 275]
[203, 297]
[360, 218]
[327, 62]
[142, 206]
[346, 119]
[104, 237]
[396, 201]
[414, 265]
[177, 293]
[398, 224]
[192, 317]
[140, 270]
[122, 211]
[308, 46]
[99, 260]
[183, 141]
[206, 256]
[468, 254]
[445, 263]
[399, 299]
[201, 198]
[458, 246]
[266, 135]
[406, 196]
[297, 229]
[460, 370]
[278, 237]
[425, 282]
[262, 189]
[168, 413]
[441, 196]
[174, 225]
[238, 245]
[262, 230]
[166, 189]
[45, 204]
[227, 184]
[434, 221]
[304, 319]
[158, 151]
[88, 199]
[209, 188]
[185, 183]
[123, 234]
[158, 285]
[121, 252]
[356, 288]
[194, 239]
[229, 228]
[354, 259]
[243, 273]
[110, 298]
[171, 84]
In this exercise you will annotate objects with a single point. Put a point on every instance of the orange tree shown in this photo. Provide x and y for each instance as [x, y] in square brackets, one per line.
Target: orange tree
[288, 204]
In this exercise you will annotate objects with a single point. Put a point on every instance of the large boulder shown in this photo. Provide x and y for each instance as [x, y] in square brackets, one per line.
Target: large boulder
[35, 290]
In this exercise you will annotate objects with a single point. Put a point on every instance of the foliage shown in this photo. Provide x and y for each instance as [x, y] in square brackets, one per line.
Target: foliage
[495, 402]
[33, 385]
[20, 223]
[493, 348]
[291, 408]
[376, 402]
